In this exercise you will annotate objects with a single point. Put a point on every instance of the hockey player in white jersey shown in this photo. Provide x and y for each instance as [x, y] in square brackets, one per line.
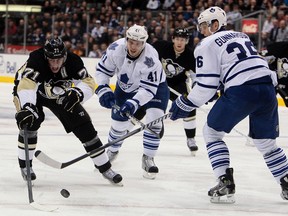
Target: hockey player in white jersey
[229, 59]
[141, 87]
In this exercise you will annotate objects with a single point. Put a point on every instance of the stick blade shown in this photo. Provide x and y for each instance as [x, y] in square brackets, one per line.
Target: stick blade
[41, 156]
[43, 208]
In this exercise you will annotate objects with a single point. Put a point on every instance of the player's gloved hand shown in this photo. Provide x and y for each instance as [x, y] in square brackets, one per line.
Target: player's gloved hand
[129, 108]
[26, 116]
[106, 96]
[70, 98]
[181, 108]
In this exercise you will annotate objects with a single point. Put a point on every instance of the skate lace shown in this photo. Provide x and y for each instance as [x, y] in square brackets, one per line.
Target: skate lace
[222, 187]
[149, 162]
[191, 142]
[24, 170]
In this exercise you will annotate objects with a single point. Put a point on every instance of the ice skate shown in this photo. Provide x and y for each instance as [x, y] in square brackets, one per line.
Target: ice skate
[192, 146]
[284, 186]
[224, 191]
[113, 177]
[112, 155]
[24, 173]
[150, 169]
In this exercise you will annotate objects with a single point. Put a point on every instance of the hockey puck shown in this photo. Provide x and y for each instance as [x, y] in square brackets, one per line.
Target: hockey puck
[65, 193]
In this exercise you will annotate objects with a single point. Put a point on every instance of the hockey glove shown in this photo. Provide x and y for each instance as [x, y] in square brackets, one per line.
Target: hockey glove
[70, 98]
[106, 96]
[129, 108]
[181, 108]
[26, 116]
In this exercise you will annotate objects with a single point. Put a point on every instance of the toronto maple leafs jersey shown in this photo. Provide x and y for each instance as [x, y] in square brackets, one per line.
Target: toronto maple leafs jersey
[140, 75]
[226, 59]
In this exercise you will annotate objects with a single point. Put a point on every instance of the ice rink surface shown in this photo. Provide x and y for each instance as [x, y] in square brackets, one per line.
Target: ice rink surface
[179, 189]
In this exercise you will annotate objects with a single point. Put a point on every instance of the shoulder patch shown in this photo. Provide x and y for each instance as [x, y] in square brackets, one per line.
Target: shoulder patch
[113, 46]
[149, 62]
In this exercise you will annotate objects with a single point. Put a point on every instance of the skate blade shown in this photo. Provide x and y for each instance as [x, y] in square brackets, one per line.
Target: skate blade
[149, 175]
[193, 153]
[120, 184]
[226, 199]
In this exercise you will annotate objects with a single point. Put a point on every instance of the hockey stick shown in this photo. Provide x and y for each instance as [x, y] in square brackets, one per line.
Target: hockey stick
[59, 165]
[203, 110]
[29, 181]
[132, 118]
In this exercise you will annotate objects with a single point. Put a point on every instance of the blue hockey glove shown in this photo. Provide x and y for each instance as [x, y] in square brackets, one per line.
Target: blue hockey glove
[70, 98]
[106, 96]
[129, 107]
[181, 108]
[26, 116]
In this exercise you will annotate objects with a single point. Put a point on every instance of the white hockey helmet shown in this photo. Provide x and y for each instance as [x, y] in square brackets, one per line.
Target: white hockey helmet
[137, 33]
[213, 13]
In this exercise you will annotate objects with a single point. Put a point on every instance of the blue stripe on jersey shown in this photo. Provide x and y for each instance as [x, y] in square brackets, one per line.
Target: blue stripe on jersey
[104, 70]
[207, 86]
[148, 83]
[236, 63]
[207, 75]
[161, 75]
[104, 57]
[242, 71]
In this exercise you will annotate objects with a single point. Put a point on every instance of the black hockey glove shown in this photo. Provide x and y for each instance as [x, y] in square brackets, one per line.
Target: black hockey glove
[106, 96]
[70, 98]
[181, 108]
[26, 116]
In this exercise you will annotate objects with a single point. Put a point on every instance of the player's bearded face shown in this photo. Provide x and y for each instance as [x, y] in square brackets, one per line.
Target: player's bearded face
[134, 47]
[55, 64]
[179, 44]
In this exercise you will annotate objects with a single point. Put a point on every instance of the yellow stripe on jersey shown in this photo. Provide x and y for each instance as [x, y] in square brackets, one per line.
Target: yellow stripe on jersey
[26, 84]
[90, 82]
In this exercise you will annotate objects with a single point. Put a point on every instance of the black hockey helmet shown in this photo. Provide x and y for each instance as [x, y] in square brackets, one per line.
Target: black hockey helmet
[54, 48]
[181, 32]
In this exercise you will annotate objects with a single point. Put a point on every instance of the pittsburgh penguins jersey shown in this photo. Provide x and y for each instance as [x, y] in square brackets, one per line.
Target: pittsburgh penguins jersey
[229, 59]
[35, 79]
[279, 51]
[141, 75]
[175, 66]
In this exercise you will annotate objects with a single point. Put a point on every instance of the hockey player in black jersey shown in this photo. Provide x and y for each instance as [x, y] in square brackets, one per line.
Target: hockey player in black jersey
[54, 78]
[277, 56]
[179, 65]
